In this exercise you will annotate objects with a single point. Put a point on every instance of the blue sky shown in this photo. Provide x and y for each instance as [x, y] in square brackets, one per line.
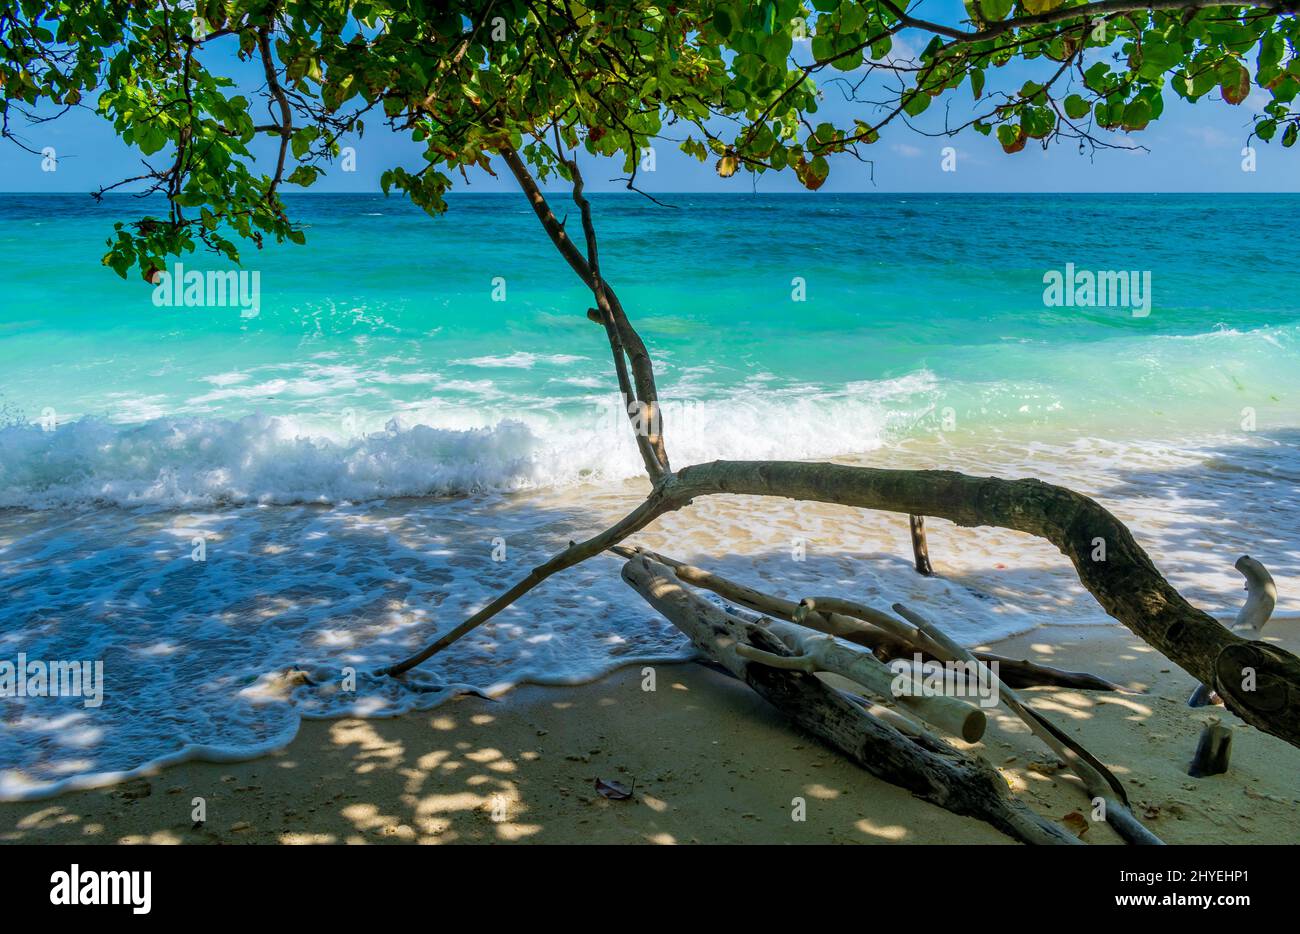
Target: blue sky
[1192, 148]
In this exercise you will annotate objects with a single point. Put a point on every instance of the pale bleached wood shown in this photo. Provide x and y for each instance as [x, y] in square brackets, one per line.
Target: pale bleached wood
[1261, 598]
[923, 764]
[1097, 779]
[818, 652]
[886, 645]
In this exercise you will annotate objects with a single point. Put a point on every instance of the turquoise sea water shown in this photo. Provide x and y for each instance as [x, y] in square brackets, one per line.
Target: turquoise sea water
[916, 307]
[379, 364]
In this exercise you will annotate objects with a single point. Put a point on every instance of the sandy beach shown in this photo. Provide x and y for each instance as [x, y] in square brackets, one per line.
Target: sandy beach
[708, 762]
[570, 424]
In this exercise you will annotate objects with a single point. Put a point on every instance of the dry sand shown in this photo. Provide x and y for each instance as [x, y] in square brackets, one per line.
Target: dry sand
[711, 763]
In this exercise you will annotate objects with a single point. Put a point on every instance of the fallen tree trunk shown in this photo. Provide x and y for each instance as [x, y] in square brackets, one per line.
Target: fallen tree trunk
[1016, 673]
[1258, 682]
[920, 762]
[1099, 782]
[815, 651]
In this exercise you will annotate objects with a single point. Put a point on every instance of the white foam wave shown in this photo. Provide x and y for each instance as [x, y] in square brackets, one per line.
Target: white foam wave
[522, 360]
[432, 450]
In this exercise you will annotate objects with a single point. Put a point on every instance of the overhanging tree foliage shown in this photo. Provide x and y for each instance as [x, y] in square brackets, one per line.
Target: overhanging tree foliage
[731, 81]
[534, 82]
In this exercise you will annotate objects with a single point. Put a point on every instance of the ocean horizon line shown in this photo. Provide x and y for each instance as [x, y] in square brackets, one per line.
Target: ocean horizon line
[809, 195]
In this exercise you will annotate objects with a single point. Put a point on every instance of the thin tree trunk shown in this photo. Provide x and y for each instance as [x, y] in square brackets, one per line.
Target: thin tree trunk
[651, 440]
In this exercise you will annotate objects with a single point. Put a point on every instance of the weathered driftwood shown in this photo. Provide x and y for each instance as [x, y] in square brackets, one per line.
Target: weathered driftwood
[1261, 598]
[920, 548]
[1019, 673]
[815, 651]
[1213, 750]
[928, 767]
[1097, 780]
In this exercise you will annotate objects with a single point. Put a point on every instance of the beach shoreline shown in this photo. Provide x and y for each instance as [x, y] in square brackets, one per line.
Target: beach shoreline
[707, 761]
[196, 652]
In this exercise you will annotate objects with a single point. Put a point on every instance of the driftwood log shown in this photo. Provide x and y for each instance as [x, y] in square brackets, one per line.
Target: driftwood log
[920, 762]
[813, 640]
[1018, 673]
[1258, 682]
[1098, 781]
[815, 651]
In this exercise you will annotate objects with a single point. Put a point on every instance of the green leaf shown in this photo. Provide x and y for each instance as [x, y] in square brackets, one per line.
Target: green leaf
[1234, 81]
[1076, 108]
[301, 141]
[915, 103]
[303, 175]
[993, 11]
[722, 22]
[1095, 77]
[847, 62]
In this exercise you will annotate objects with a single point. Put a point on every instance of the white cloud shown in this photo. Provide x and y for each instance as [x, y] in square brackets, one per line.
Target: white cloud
[1209, 136]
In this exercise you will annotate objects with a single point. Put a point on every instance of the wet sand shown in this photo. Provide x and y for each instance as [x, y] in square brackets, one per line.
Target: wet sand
[707, 761]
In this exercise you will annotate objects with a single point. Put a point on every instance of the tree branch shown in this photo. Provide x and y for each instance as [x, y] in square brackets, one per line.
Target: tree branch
[650, 440]
[1089, 11]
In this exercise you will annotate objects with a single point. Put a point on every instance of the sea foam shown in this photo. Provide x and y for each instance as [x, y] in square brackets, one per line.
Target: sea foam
[186, 462]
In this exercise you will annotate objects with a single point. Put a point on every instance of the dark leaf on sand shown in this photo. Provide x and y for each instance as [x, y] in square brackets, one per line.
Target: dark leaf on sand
[614, 791]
